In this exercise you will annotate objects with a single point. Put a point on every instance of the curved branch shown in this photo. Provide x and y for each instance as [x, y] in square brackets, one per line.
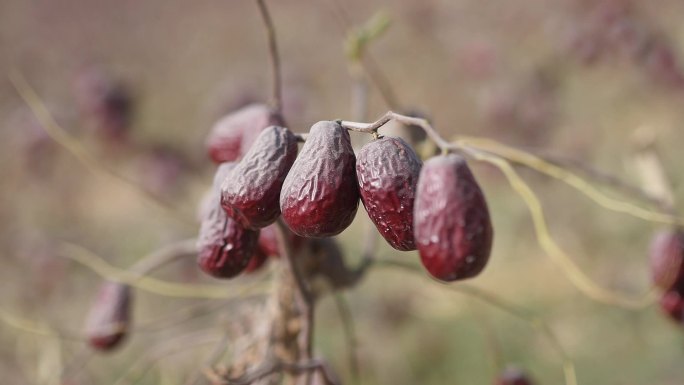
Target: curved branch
[276, 80]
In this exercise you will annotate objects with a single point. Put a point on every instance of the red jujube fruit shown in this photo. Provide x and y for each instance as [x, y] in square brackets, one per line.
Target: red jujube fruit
[109, 318]
[251, 193]
[320, 196]
[224, 247]
[452, 224]
[387, 171]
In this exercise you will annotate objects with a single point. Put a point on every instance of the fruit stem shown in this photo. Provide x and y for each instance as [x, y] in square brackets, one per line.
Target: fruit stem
[372, 128]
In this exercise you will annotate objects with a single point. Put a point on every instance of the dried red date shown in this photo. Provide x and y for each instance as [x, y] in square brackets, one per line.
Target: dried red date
[109, 318]
[666, 256]
[387, 171]
[451, 220]
[320, 196]
[251, 193]
[232, 135]
[224, 247]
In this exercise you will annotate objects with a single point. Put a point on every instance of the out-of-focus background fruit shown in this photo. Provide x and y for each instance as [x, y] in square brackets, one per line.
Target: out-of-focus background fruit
[139, 84]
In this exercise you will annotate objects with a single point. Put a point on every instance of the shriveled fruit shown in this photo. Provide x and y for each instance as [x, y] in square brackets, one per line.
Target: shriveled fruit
[452, 225]
[320, 196]
[666, 257]
[251, 194]
[513, 376]
[224, 247]
[109, 317]
[232, 135]
[387, 171]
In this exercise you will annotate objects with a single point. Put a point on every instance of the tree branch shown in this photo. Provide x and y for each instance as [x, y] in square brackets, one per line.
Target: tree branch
[276, 80]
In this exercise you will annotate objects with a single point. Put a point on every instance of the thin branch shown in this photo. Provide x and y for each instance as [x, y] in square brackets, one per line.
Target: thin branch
[535, 163]
[218, 351]
[303, 296]
[71, 144]
[378, 77]
[347, 320]
[276, 80]
[149, 284]
[373, 127]
[469, 144]
[176, 345]
[37, 328]
[285, 250]
[191, 312]
[606, 179]
[578, 278]
[367, 63]
[491, 299]
[165, 255]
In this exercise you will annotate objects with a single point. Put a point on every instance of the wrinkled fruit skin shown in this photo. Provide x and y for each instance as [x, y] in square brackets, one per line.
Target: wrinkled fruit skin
[224, 247]
[513, 376]
[320, 196]
[251, 194]
[452, 225]
[666, 256]
[387, 171]
[109, 317]
[233, 135]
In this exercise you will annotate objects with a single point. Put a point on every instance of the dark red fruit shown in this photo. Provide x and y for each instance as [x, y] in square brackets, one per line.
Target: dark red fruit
[666, 256]
[513, 376]
[251, 194]
[224, 247]
[452, 225]
[109, 318]
[387, 171]
[233, 135]
[320, 196]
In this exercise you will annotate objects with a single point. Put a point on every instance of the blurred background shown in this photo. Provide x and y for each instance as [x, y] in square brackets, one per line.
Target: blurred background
[570, 78]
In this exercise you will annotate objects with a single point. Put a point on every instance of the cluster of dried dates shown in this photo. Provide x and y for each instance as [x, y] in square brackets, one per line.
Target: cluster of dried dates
[436, 208]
